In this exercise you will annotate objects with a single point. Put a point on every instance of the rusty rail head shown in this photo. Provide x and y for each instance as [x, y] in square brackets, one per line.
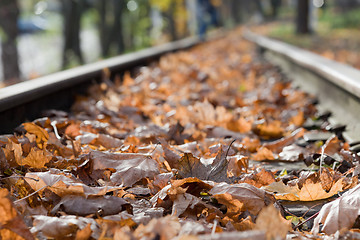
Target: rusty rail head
[342, 75]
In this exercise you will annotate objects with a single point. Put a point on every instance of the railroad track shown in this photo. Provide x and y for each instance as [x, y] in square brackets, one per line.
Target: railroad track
[336, 85]
[87, 158]
[25, 101]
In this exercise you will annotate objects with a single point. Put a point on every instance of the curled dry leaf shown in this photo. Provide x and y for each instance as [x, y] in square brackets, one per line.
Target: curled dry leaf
[278, 145]
[62, 184]
[310, 191]
[41, 134]
[130, 167]
[36, 159]
[240, 197]
[97, 205]
[339, 214]
[64, 226]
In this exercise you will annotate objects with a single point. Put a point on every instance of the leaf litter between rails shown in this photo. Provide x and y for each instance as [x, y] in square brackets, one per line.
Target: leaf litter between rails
[211, 142]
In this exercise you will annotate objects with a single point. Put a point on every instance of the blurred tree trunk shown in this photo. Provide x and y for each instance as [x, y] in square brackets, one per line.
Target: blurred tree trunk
[117, 29]
[275, 5]
[260, 8]
[110, 26]
[302, 17]
[9, 13]
[72, 11]
[103, 29]
[170, 17]
[236, 10]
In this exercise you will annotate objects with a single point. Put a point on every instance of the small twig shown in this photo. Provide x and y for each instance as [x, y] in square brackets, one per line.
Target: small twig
[227, 152]
[3, 178]
[310, 218]
[321, 157]
[30, 194]
[154, 148]
[311, 208]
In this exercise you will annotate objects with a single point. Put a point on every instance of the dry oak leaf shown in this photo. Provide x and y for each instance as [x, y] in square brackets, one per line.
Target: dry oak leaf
[11, 224]
[339, 214]
[41, 134]
[13, 153]
[36, 159]
[240, 197]
[61, 227]
[130, 167]
[310, 191]
[63, 185]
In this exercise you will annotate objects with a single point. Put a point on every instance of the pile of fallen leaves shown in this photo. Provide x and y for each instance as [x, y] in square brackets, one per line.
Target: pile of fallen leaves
[209, 143]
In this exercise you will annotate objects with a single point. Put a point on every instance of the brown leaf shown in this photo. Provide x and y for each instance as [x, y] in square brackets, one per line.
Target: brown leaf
[263, 154]
[298, 120]
[84, 234]
[42, 135]
[278, 145]
[58, 228]
[332, 146]
[240, 197]
[259, 178]
[130, 167]
[165, 228]
[62, 184]
[310, 191]
[10, 220]
[190, 166]
[97, 205]
[269, 130]
[339, 214]
[13, 153]
[35, 159]
[270, 221]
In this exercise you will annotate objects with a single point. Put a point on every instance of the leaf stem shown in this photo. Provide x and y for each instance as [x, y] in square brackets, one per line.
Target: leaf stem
[302, 223]
[30, 194]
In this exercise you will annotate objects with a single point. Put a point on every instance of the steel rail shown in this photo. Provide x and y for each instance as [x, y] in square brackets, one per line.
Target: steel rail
[26, 100]
[336, 85]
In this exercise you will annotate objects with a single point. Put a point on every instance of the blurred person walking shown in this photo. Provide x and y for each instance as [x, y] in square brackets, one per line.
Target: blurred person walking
[206, 15]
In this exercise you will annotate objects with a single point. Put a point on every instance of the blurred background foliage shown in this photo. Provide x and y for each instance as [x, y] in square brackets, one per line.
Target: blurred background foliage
[39, 37]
